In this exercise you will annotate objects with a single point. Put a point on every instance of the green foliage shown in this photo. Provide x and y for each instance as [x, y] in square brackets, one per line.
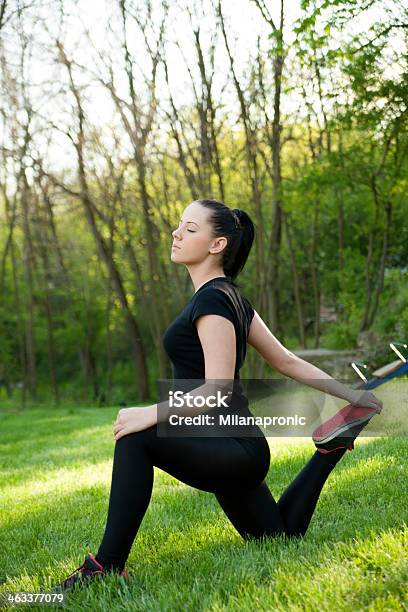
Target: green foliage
[394, 307]
[343, 162]
[339, 335]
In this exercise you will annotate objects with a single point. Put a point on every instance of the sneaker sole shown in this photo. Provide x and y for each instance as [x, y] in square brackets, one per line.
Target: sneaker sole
[341, 429]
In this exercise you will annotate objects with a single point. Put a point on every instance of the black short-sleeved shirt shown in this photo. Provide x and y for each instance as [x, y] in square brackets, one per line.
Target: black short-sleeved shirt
[181, 340]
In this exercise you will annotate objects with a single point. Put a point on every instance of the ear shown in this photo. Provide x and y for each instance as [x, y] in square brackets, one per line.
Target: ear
[219, 244]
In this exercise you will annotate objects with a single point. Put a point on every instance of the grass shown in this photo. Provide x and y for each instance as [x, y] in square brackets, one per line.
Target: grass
[56, 469]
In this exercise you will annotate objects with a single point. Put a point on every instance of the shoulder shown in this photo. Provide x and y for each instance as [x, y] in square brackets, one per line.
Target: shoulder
[214, 299]
[249, 309]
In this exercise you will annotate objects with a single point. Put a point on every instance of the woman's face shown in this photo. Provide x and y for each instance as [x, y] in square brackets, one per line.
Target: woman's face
[192, 240]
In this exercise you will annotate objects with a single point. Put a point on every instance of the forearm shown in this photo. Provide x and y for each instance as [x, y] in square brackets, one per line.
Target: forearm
[307, 373]
[184, 404]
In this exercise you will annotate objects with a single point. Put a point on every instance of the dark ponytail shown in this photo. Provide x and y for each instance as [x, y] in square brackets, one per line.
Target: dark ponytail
[236, 225]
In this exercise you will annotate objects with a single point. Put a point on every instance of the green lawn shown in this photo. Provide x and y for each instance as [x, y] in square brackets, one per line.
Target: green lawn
[56, 469]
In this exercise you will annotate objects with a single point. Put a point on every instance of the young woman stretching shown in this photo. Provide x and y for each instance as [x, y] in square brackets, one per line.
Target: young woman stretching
[207, 341]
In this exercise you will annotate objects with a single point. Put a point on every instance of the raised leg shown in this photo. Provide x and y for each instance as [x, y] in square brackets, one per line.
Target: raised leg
[255, 513]
[298, 501]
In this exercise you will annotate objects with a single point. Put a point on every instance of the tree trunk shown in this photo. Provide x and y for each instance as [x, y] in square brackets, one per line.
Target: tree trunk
[296, 287]
[141, 376]
[28, 262]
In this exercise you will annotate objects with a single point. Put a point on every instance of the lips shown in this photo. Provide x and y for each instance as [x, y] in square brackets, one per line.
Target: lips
[174, 246]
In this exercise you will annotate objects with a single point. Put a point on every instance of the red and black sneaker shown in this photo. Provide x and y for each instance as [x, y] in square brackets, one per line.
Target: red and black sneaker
[342, 429]
[89, 569]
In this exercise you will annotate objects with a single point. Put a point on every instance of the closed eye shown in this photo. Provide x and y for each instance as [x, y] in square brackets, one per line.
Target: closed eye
[191, 231]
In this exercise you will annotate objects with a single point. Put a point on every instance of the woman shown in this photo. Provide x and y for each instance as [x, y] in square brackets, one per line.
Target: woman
[207, 341]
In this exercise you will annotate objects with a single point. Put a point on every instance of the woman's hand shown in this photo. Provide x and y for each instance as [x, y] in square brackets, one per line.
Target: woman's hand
[130, 420]
[366, 398]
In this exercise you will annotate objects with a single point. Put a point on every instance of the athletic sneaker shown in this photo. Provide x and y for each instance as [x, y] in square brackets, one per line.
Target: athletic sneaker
[343, 428]
[83, 575]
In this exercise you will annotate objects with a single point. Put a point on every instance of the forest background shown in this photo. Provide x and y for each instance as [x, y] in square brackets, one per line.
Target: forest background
[116, 115]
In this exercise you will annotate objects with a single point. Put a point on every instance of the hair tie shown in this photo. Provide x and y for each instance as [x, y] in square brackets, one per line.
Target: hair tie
[235, 213]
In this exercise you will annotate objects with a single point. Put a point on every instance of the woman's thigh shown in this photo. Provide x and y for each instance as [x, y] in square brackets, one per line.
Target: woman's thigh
[210, 463]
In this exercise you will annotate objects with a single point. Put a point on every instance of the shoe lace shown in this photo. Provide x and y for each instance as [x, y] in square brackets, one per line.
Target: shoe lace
[84, 571]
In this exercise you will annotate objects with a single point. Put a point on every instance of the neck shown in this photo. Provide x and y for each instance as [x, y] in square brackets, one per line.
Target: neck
[201, 279]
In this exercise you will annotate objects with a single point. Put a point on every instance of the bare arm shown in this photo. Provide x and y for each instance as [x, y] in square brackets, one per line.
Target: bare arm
[286, 362]
[217, 337]
[263, 340]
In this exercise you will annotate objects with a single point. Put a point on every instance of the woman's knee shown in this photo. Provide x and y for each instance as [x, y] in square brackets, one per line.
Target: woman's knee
[131, 442]
[264, 535]
[294, 534]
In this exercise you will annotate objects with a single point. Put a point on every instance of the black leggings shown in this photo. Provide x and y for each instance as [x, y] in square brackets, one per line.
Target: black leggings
[232, 468]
